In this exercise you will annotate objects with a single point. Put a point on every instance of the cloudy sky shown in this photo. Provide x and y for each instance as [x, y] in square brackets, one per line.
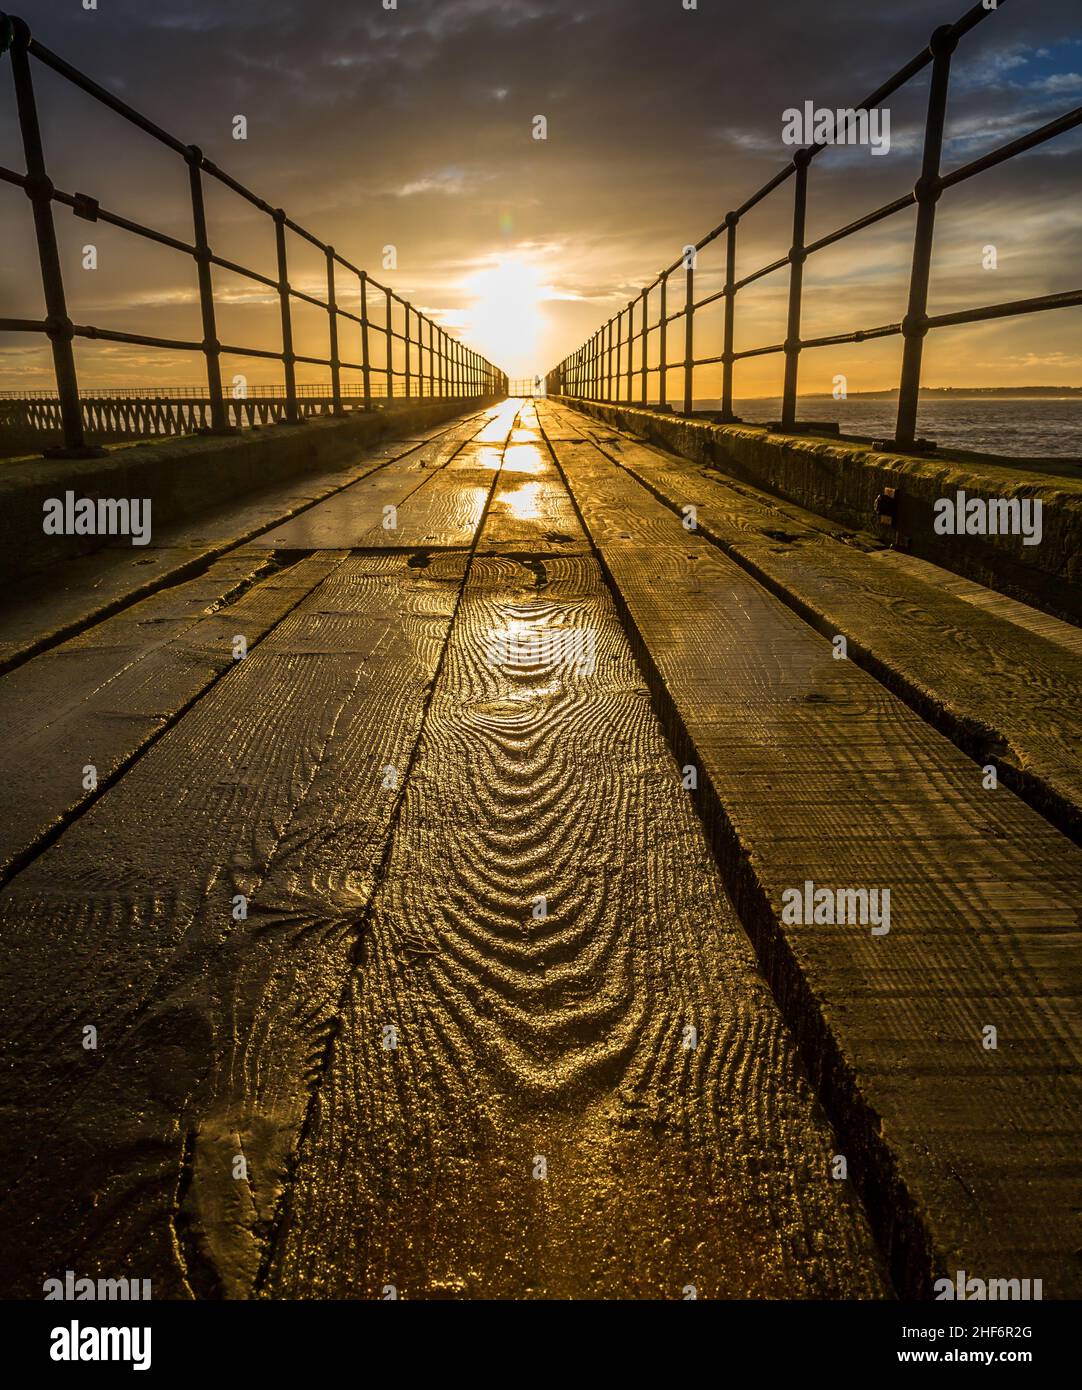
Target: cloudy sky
[413, 127]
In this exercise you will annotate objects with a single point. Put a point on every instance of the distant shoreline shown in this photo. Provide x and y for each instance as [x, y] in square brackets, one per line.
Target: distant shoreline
[946, 392]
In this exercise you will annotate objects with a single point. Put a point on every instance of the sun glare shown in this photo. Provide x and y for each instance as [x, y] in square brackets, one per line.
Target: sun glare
[504, 318]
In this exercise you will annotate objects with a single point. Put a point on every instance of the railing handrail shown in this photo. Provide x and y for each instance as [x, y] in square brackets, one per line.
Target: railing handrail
[593, 372]
[453, 369]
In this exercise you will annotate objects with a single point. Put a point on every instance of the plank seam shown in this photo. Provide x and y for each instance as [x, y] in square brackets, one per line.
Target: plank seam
[282, 1212]
[893, 1213]
[195, 569]
[976, 740]
[68, 818]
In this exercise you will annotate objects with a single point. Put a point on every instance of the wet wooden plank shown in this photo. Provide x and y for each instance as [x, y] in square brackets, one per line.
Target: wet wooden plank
[531, 509]
[543, 774]
[994, 682]
[811, 771]
[431, 500]
[44, 609]
[100, 698]
[1009, 609]
[210, 1028]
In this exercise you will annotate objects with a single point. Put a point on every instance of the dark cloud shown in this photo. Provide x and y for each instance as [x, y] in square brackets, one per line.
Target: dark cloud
[412, 126]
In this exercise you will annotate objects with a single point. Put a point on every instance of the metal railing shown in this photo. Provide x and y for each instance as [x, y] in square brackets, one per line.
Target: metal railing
[606, 370]
[150, 412]
[525, 386]
[434, 363]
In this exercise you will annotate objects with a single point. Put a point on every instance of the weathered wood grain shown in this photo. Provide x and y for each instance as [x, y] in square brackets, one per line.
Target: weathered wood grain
[48, 608]
[562, 1038]
[1006, 691]
[209, 1028]
[100, 698]
[531, 509]
[437, 497]
[811, 770]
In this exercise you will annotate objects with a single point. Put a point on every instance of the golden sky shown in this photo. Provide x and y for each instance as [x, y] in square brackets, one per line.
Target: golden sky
[413, 128]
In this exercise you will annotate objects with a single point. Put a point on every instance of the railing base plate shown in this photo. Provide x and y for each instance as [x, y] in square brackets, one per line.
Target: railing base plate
[892, 446]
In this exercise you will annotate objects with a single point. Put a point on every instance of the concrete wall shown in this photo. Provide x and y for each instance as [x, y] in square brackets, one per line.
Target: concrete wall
[184, 477]
[841, 480]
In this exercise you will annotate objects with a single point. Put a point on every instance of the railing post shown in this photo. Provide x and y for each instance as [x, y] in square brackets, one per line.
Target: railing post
[288, 360]
[630, 348]
[797, 257]
[39, 189]
[662, 367]
[730, 318]
[406, 337]
[332, 325]
[211, 346]
[366, 371]
[608, 362]
[645, 342]
[689, 329]
[390, 346]
[927, 191]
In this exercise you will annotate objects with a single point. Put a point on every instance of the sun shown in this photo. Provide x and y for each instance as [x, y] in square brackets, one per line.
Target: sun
[504, 315]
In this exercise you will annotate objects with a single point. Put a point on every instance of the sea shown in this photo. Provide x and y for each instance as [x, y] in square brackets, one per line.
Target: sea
[1034, 427]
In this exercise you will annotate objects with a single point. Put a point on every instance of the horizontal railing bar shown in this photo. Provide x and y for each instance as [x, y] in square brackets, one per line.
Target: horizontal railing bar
[759, 352]
[710, 299]
[309, 298]
[126, 224]
[348, 265]
[307, 235]
[308, 391]
[209, 167]
[869, 220]
[1065, 300]
[251, 352]
[223, 264]
[1019, 146]
[22, 325]
[10, 176]
[760, 273]
[144, 340]
[861, 335]
[86, 84]
[888, 88]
